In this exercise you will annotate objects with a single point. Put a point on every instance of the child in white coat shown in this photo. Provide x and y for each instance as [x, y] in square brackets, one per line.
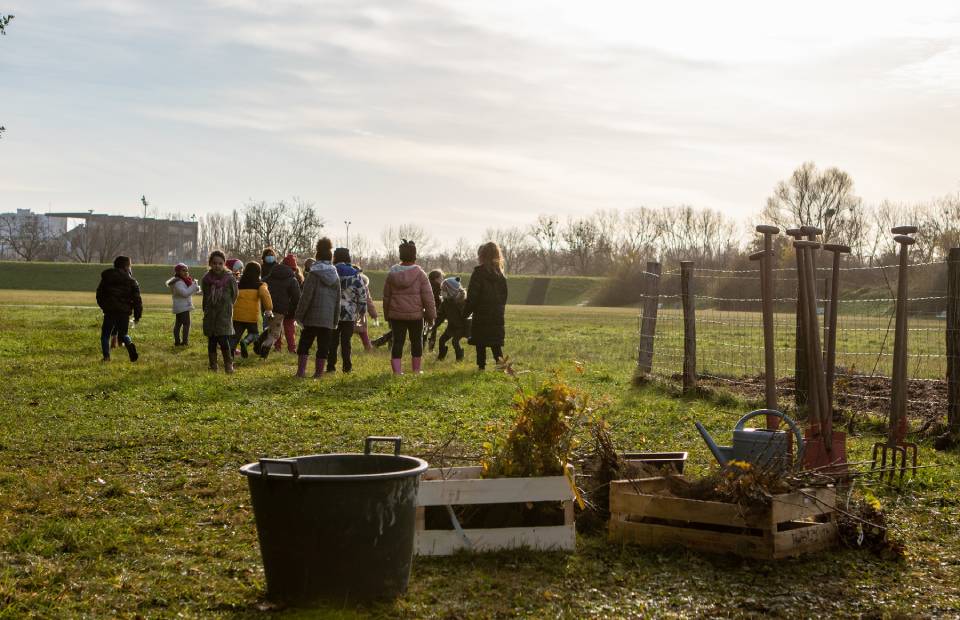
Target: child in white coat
[183, 288]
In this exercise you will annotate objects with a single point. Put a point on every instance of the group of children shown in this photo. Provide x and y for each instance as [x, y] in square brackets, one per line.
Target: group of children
[331, 301]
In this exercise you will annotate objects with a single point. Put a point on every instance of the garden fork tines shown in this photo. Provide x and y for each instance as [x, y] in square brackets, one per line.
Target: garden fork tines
[895, 453]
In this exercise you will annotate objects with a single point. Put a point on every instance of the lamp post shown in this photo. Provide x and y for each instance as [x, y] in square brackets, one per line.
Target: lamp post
[347, 224]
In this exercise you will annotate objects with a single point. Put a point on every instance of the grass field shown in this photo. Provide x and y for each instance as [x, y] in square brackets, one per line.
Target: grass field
[120, 497]
[561, 291]
[731, 343]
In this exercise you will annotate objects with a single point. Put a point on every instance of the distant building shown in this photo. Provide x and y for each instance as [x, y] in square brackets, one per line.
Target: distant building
[90, 237]
[25, 235]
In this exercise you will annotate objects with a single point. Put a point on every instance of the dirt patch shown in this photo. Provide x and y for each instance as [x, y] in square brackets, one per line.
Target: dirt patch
[926, 399]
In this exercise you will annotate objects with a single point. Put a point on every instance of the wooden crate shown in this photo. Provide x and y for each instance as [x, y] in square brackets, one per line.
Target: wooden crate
[459, 486]
[796, 523]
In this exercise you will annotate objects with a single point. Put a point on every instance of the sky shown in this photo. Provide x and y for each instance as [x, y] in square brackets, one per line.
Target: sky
[470, 114]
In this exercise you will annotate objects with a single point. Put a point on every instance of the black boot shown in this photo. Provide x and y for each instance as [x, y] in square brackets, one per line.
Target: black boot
[132, 352]
[442, 354]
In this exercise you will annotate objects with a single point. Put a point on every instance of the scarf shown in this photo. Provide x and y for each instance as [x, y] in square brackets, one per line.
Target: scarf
[215, 284]
[187, 280]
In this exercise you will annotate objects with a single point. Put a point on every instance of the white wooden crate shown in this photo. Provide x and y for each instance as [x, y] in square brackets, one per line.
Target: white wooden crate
[458, 486]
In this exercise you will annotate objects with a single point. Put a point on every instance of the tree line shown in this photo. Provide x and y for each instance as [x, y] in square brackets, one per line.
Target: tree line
[602, 243]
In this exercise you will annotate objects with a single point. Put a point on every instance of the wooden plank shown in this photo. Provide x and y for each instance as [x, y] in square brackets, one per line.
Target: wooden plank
[640, 485]
[813, 537]
[569, 517]
[800, 506]
[689, 510]
[654, 535]
[452, 473]
[493, 491]
[447, 542]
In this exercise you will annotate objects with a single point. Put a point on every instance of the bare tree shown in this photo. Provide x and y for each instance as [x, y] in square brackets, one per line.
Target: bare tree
[546, 234]
[515, 245]
[213, 232]
[263, 224]
[811, 197]
[82, 244]
[27, 235]
[109, 237]
[581, 237]
[236, 241]
[359, 249]
[461, 253]
[639, 234]
[391, 237]
[302, 227]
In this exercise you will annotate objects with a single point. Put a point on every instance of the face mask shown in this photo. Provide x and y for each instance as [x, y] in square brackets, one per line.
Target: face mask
[270, 259]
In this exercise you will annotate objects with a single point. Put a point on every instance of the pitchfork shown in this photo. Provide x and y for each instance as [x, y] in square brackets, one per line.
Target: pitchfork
[894, 453]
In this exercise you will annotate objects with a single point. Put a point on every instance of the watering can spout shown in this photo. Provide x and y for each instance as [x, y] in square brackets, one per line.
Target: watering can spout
[714, 448]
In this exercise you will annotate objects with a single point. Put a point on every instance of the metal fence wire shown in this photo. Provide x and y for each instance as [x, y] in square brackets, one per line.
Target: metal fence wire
[729, 332]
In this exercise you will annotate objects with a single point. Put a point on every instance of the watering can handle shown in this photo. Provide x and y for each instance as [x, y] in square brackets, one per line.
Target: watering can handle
[779, 414]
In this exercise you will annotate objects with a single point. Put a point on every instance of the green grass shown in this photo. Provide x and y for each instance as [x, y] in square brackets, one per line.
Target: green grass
[120, 497]
[731, 343]
[562, 291]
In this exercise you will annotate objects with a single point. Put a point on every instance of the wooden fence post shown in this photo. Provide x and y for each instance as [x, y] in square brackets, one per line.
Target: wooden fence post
[689, 327]
[953, 341]
[648, 325]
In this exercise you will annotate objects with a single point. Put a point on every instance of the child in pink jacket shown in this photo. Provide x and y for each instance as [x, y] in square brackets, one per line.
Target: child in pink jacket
[408, 305]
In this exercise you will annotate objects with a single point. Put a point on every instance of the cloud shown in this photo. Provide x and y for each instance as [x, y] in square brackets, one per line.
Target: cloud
[936, 75]
[539, 105]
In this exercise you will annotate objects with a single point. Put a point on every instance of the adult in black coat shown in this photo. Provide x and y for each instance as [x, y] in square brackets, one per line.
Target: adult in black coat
[118, 295]
[486, 302]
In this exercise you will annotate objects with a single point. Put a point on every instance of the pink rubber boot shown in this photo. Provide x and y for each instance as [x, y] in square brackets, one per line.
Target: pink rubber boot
[395, 364]
[318, 368]
[416, 361]
[302, 366]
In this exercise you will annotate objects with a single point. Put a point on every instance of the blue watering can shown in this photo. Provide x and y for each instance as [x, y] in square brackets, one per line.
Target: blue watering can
[757, 445]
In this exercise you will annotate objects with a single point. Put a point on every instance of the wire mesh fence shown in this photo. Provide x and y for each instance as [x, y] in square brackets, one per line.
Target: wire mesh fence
[729, 332]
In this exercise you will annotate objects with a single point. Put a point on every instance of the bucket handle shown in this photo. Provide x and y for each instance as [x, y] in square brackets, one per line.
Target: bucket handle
[368, 444]
[291, 463]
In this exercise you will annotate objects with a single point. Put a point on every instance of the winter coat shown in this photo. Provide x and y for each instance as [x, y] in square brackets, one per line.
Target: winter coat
[118, 294]
[407, 295]
[486, 300]
[218, 308]
[451, 311]
[267, 268]
[182, 294]
[361, 324]
[250, 303]
[284, 289]
[320, 301]
[353, 294]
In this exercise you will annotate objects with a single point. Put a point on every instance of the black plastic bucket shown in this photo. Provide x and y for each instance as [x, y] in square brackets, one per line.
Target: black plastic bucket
[336, 527]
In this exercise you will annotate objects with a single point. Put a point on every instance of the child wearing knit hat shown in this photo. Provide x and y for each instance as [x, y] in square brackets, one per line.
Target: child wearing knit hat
[182, 288]
[235, 266]
[451, 310]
